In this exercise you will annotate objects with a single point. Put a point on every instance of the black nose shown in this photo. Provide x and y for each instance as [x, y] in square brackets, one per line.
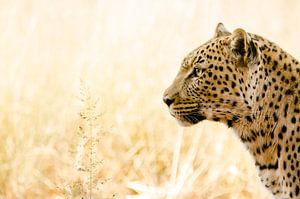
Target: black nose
[168, 100]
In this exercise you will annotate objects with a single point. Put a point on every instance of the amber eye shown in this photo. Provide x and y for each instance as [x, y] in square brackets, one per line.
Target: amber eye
[195, 73]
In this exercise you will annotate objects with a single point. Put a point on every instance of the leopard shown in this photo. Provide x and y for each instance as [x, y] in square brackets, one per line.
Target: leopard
[252, 85]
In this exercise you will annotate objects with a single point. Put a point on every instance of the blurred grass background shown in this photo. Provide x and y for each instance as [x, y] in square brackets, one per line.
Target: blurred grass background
[81, 114]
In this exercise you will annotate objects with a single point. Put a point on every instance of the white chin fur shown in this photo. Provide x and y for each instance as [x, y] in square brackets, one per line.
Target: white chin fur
[183, 123]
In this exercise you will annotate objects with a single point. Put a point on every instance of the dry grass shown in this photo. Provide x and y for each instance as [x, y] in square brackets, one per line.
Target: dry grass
[81, 87]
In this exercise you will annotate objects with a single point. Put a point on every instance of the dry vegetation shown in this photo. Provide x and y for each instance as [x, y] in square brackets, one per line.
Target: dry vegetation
[81, 88]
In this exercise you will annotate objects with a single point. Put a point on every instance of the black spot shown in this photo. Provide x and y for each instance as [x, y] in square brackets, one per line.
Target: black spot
[234, 76]
[249, 118]
[286, 110]
[226, 77]
[268, 59]
[271, 104]
[275, 63]
[229, 69]
[265, 87]
[283, 129]
[207, 82]
[262, 133]
[296, 101]
[278, 73]
[258, 150]
[289, 92]
[278, 150]
[275, 117]
[233, 84]
[280, 136]
[279, 98]
[229, 123]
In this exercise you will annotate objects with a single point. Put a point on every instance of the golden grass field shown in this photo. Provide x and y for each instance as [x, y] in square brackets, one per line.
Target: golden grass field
[81, 112]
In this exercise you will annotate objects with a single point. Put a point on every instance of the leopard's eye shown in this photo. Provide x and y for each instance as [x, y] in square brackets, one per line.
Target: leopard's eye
[196, 72]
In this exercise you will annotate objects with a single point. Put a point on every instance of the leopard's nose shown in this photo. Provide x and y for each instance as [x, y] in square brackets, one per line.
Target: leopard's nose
[168, 101]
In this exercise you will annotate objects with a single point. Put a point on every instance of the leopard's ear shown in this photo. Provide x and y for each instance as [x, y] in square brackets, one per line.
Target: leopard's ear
[221, 31]
[242, 47]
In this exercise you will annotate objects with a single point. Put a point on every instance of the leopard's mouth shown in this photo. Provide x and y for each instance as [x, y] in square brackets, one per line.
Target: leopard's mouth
[188, 119]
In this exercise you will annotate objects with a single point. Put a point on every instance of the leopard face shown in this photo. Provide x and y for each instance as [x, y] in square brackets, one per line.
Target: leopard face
[207, 85]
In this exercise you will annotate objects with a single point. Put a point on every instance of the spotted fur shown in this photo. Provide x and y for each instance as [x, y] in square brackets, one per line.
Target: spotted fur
[252, 85]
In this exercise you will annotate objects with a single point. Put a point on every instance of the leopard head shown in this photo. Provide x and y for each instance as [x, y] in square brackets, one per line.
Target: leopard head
[213, 79]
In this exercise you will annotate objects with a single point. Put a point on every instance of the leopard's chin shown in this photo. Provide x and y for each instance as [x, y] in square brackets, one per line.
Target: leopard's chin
[190, 119]
[183, 123]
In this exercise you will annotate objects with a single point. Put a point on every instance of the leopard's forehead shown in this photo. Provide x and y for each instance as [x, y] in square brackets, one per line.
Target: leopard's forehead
[209, 51]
